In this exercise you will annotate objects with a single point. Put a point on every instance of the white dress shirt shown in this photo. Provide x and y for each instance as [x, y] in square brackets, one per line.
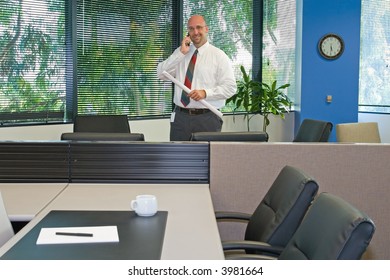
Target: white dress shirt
[213, 73]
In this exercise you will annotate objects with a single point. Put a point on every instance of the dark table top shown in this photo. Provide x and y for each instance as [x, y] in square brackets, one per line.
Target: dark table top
[140, 238]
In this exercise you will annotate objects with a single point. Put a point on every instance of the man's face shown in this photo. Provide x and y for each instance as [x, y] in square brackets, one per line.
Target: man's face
[198, 30]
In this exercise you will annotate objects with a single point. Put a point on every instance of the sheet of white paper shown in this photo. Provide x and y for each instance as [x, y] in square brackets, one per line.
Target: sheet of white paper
[187, 90]
[99, 234]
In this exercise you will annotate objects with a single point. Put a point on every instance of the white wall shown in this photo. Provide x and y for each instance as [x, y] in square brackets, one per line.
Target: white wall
[279, 130]
[34, 132]
[154, 130]
[383, 121]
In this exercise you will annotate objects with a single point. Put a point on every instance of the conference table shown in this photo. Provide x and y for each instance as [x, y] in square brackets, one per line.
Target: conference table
[24, 201]
[190, 233]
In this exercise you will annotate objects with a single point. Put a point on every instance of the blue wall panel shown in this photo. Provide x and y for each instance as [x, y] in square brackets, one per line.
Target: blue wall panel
[320, 77]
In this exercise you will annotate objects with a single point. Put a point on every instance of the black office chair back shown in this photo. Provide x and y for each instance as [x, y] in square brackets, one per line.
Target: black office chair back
[97, 136]
[101, 123]
[282, 209]
[313, 131]
[252, 136]
[333, 229]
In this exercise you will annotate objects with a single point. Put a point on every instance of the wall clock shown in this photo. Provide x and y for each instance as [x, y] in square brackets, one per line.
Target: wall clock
[331, 46]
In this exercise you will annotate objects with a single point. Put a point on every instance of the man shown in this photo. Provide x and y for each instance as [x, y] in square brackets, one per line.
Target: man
[210, 77]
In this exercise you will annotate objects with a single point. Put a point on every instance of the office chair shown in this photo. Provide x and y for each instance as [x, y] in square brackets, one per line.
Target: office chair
[278, 215]
[367, 132]
[313, 131]
[102, 128]
[97, 136]
[253, 136]
[101, 124]
[6, 230]
[332, 229]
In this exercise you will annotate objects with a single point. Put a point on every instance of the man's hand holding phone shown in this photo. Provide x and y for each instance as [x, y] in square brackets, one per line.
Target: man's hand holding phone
[188, 42]
[185, 44]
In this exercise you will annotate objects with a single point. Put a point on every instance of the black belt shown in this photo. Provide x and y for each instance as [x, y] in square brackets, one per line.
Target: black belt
[193, 111]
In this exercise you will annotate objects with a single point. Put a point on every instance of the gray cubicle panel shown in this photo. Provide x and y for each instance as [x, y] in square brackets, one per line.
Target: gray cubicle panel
[34, 161]
[104, 162]
[139, 162]
[359, 173]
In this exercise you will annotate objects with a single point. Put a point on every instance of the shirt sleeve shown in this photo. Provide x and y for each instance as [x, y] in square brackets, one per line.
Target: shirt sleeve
[226, 85]
[170, 64]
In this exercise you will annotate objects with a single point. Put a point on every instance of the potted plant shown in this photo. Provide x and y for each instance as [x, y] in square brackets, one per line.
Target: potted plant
[260, 98]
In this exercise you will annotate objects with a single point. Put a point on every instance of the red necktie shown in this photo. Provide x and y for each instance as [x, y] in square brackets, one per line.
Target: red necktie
[185, 100]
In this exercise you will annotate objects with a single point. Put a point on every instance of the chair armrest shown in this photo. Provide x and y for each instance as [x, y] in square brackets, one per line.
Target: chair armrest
[252, 245]
[224, 215]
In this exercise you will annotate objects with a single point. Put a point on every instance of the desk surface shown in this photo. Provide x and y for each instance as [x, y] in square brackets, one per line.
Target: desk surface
[140, 238]
[191, 230]
[23, 201]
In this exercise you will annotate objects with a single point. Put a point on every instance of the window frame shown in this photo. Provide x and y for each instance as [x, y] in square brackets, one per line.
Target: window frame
[71, 90]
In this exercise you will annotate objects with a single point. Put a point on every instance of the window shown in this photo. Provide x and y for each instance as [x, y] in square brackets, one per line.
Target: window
[119, 44]
[32, 61]
[230, 25]
[374, 87]
[278, 59]
[107, 63]
[234, 28]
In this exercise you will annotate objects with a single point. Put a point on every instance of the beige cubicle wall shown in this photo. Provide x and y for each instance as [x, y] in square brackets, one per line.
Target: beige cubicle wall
[241, 173]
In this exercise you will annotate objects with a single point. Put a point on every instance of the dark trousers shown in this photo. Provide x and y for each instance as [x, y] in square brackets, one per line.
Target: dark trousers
[185, 124]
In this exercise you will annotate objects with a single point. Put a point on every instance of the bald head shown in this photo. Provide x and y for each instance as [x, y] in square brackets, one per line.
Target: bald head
[198, 30]
[196, 19]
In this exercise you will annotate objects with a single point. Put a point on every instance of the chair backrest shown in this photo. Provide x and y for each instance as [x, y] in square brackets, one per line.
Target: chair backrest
[333, 229]
[367, 132]
[282, 209]
[101, 123]
[97, 136]
[6, 230]
[253, 136]
[313, 131]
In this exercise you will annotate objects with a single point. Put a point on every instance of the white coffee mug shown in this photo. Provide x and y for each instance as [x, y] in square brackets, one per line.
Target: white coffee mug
[144, 205]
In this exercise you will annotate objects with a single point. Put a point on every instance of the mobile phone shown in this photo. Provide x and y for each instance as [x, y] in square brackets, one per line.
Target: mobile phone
[188, 43]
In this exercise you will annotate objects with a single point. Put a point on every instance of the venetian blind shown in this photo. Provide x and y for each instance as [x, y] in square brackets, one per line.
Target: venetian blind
[230, 27]
[257, 34]
[119, 44]
[32, 61]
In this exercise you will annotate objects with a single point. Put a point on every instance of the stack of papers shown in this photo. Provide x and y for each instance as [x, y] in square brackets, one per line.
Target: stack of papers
[71, 235]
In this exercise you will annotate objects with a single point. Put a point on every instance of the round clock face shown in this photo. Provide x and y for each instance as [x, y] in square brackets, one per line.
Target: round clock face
[331, 46]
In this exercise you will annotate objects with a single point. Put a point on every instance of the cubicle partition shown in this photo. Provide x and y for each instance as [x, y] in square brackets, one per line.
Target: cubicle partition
[241, 174]
[139, 162]
[104, 162]
[34, 162]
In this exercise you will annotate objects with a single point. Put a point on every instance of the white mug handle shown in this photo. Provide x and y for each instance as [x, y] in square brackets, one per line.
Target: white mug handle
[134, 204]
